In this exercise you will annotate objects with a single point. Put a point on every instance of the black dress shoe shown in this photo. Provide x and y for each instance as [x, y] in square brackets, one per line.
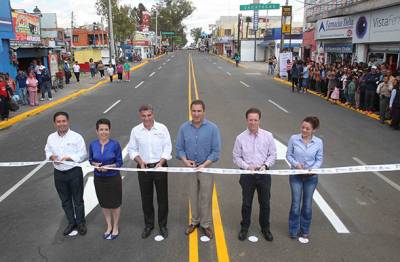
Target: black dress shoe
[68, 229]
[267, 235]
[146, 232]
[242, 234]
[82, 230]
[164, 232]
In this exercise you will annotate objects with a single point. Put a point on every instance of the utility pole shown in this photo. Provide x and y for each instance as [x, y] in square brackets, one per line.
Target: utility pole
[110, 33]
[72, 29]
[282, 35]
[238, 30]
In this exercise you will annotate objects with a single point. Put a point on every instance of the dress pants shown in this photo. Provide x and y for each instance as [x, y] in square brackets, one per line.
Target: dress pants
[250, 183]
[201, 187]
[147, 181]
[69, 186]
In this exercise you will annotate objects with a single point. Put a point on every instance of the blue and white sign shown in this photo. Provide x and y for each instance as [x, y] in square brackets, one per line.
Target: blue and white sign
[377, 26]
[334, 28]
[255, 20]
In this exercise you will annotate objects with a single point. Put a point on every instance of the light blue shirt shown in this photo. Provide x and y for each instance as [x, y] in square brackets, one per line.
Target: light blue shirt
[199, 144]
[392, 97]
[310, 155]
[305, 72]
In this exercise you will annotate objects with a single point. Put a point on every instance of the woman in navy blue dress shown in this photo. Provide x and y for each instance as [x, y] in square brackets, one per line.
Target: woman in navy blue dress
[105, 152]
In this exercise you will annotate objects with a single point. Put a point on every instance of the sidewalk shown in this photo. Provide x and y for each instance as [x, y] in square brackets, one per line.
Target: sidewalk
[260, 66]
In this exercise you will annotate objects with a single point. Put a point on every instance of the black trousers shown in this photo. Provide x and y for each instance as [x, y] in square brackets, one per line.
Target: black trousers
[69, 186]
[77, 74]
[295, 83]
[395, 117]
[67, 77]
[147, 181]
[250, 183]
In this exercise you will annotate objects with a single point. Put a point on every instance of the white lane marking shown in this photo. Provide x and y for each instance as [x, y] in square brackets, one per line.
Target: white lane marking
[152, 74]
[251, 74]
[384, 178]
[229, 74]
[23, 180]
[214, 63]
[219, 67]
[141, 83]
[89, 193]
[173, 56]
[159, 68]
[243, 83]
[163, 63]
[319, 200]
[168, 60]
[278, 106]
[108, 109]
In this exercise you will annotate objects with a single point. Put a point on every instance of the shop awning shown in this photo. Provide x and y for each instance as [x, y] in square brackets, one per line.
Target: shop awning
[265, 43]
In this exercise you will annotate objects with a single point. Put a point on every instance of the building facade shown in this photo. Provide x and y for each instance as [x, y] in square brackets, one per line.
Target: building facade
[7, 55]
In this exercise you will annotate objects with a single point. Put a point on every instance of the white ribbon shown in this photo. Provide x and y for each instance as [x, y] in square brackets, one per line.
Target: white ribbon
[280, 172]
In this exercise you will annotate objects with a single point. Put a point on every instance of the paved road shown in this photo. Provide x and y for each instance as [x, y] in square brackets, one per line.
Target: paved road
[356, 217]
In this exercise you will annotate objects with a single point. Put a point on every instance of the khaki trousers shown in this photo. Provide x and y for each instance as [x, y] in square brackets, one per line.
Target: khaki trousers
[201, 188]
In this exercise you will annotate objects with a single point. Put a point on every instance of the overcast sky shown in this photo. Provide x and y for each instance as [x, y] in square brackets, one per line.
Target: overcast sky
[207, 11]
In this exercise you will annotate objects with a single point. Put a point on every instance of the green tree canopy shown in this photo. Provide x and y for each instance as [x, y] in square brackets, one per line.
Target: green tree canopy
[196, 33]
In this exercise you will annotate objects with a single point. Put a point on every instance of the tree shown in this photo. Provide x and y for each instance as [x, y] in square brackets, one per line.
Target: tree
[196, 33]
[124, 19]
[171, 14]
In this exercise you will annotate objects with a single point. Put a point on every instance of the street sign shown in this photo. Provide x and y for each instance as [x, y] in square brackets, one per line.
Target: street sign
[255, 20]
[167, 33]
[259, 7]
[286, 28]
[287, 10]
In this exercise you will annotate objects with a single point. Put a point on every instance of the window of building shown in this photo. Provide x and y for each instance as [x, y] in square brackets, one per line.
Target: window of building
[75, 38]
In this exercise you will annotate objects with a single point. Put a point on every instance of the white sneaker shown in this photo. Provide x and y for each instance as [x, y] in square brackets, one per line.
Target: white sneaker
[42, 99]
[50, 99]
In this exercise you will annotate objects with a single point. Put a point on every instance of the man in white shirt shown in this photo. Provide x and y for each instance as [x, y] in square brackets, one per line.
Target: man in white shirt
[67, 145]
[77, 70]
[150, 146]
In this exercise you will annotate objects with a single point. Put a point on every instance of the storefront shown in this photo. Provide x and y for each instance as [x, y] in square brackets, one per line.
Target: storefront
[7, 56]
[333, 37]
[377, 37]
[309, 46]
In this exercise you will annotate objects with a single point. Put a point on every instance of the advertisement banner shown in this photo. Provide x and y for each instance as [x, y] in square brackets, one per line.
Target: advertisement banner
[333, 28]
[377, 26]
[26, 27]
[283, 57]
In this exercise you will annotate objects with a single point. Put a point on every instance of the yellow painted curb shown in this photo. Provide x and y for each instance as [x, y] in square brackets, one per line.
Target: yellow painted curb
[230, 61]
[37, 110]
[373, 116]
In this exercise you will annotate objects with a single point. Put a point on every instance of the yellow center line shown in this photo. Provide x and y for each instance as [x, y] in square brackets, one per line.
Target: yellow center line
[193, 238]
[222, 249]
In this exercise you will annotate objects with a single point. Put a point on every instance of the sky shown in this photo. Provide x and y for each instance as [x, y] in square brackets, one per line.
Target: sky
[207, 11]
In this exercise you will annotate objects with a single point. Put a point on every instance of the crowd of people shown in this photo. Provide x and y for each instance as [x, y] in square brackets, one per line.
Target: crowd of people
[198, 146]
[33, 84]
[365, 87]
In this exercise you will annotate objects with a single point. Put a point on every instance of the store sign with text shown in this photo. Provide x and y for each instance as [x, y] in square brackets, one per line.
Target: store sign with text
[26, 27]
[334, 28]
[378, 26]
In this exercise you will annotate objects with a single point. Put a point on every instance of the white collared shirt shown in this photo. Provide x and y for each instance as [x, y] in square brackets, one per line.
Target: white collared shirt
[69, 145]
[151, 145]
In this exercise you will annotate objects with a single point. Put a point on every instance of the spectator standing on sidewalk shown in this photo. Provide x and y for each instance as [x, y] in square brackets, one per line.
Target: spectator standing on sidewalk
[384, 89]
[101, 68]
[92, 66]
[32, 84]
[110, 72]
[306, 75]
[21, 87]
[127, 70]
[77, 71]
[289, 69]
[394, 105]
[372, 81]
[270, 66]
[67, 71]
[46, 86]
[331, 82]
[351, 91]
[295, 77]
[4, 99]
[120, 71]
[237, 59]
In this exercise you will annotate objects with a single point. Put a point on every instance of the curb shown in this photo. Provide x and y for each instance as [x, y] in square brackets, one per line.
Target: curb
[373, 115]
[230, 61]
[20, 117]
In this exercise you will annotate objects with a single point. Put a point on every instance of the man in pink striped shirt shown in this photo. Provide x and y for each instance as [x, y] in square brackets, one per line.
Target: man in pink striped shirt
[255, 150]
